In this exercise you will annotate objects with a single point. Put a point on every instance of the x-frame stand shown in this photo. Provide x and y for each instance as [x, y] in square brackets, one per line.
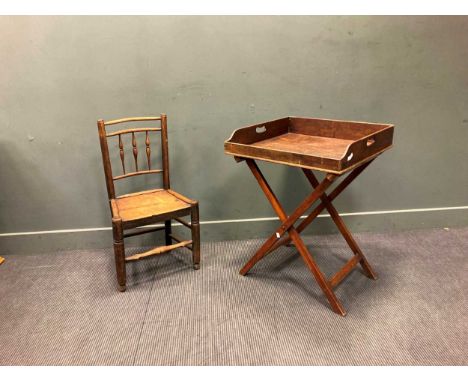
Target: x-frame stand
[287, 227]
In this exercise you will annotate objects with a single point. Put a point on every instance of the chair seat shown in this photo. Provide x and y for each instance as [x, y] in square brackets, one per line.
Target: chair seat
[149, 206]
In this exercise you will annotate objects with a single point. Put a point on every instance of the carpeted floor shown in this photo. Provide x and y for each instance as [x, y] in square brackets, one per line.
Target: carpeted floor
[63, 308]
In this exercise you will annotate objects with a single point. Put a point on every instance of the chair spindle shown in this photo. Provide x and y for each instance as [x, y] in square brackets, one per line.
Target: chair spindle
[121, 152]
[148, 149]
[135, 150]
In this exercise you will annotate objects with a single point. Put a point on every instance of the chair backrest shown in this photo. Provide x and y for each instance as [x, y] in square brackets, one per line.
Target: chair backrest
[103, 137]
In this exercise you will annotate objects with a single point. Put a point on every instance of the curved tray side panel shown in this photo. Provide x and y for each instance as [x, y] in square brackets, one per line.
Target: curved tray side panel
[259, 132]
[367, 147]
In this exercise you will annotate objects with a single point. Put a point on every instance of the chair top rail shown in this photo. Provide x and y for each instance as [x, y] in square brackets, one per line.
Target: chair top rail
[135, 130]
[131, 119]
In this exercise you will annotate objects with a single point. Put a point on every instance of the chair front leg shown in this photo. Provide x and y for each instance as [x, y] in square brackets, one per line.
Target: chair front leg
[195, 236]
[168, 232]
[119, 253]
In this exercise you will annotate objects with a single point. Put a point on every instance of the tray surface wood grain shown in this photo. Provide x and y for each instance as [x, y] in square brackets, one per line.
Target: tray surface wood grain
[321, 144]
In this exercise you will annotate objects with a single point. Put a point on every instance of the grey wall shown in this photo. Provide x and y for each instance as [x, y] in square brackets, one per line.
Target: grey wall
[212, 75]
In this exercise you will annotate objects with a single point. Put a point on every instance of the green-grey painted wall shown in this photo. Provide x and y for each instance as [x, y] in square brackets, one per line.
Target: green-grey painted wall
[212, 75]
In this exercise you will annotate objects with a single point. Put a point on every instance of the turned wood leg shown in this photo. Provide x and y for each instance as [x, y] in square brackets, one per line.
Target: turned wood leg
[195, 237]
[168, 232]
[119, 252]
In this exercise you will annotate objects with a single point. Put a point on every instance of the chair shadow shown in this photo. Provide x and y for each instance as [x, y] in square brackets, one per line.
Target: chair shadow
[158, 268]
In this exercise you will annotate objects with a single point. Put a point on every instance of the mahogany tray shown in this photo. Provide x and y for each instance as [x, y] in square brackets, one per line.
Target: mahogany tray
[319, 144]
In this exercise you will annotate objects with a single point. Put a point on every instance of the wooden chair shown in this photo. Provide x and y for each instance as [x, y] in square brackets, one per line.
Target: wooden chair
[135, 210]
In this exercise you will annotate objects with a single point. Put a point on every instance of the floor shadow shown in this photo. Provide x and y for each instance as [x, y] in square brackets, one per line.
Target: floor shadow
[286, 265]
[160, 267]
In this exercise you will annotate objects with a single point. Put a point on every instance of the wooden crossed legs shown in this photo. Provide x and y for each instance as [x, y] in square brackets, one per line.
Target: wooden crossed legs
[277, 239]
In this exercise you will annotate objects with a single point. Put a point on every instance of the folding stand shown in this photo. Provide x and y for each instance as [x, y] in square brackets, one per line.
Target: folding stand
[325, 145]
[288, 222]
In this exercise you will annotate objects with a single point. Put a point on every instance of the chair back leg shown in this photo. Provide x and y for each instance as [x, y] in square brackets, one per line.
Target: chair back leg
[195, 236]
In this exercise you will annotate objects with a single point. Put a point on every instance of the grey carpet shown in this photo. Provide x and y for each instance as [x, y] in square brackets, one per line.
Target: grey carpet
[63, 308]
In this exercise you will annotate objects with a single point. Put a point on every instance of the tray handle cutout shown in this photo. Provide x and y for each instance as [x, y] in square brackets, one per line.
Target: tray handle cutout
[260, 129]
[350, 156]
[370, 142]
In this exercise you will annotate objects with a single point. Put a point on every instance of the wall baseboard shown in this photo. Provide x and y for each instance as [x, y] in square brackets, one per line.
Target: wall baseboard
[217, 230]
